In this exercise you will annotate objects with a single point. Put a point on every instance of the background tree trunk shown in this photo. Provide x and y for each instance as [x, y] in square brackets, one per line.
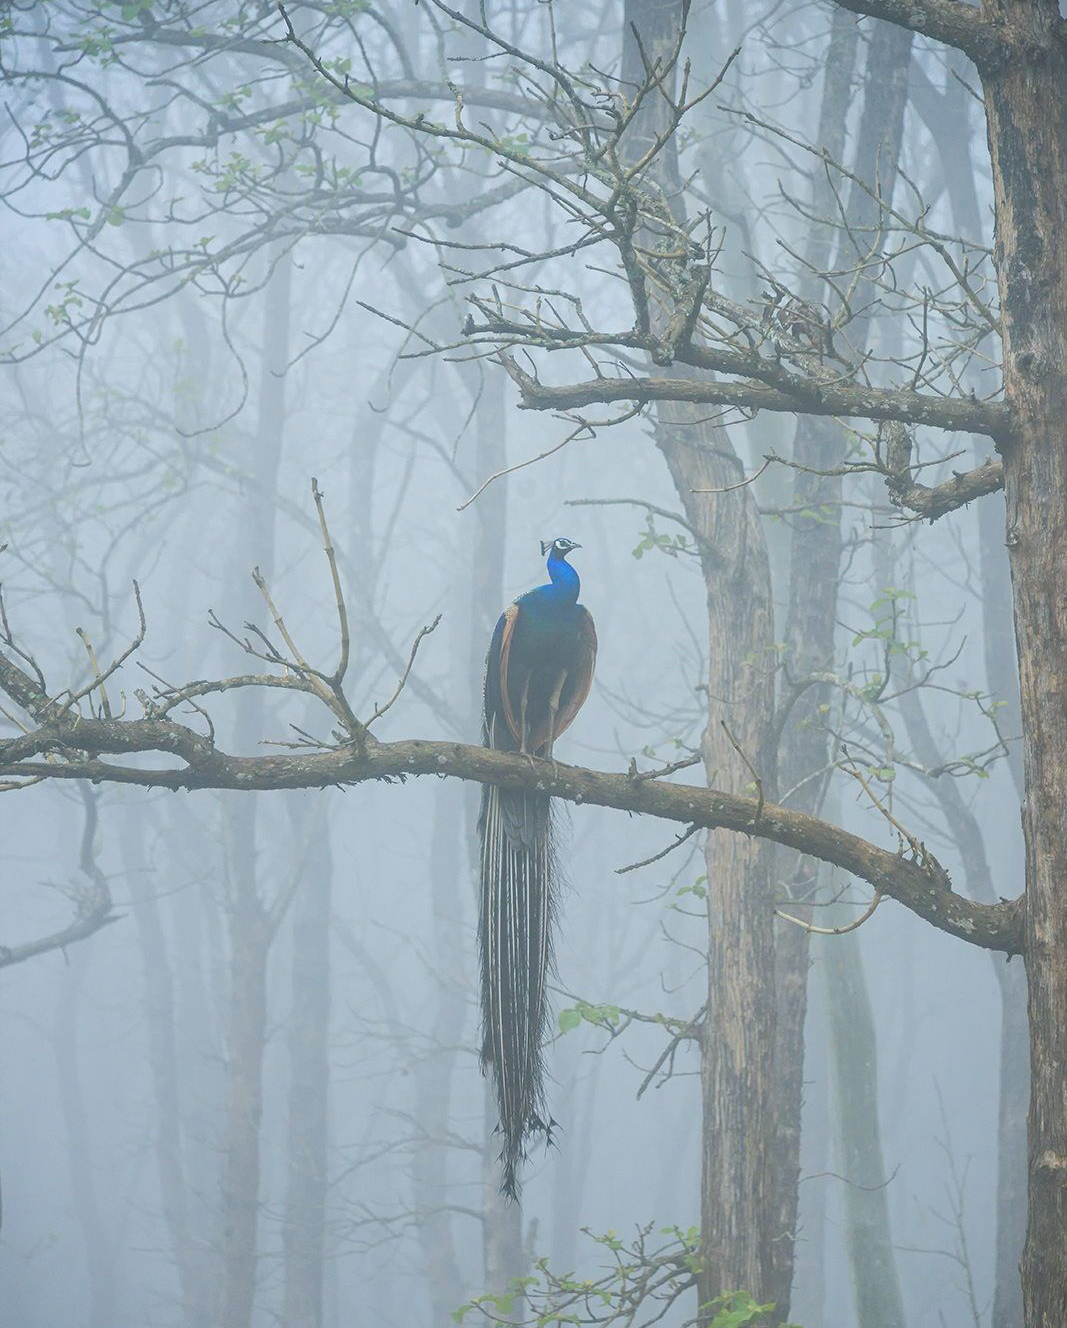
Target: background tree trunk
[251, 929]
[811, 618]
[159, 1004]
[307, 1183]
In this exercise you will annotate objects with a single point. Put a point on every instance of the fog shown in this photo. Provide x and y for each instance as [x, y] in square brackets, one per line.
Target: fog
[163, 425]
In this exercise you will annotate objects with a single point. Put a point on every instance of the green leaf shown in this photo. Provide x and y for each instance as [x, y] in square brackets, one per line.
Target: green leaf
[569, 1020]
[68, 214]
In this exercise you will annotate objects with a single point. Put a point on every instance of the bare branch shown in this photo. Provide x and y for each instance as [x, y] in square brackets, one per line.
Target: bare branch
[920, 883]
[423, 631]
[991, 418]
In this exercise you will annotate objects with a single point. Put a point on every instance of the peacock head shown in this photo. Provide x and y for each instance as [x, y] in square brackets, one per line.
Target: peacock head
[558, 548]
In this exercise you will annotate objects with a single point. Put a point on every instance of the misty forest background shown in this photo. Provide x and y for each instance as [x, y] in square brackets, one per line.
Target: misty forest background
[259, 304]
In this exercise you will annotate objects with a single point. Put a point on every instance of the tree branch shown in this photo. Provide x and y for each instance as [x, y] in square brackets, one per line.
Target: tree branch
[991, 418]
[93, 907]
[919, 883]
[954, 22]
[963, 488]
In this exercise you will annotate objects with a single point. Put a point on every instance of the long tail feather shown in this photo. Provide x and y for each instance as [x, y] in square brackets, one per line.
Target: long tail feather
[518, 898]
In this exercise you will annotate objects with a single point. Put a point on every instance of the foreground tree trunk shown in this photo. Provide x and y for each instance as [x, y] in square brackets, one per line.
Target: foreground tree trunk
[947, 117]
[1025, 105]
[738, 1231]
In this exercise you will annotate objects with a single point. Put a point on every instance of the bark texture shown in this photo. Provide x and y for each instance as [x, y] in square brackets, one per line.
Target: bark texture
[737, 1064]
[1027, 124]
[737, 1048]
[947, 117]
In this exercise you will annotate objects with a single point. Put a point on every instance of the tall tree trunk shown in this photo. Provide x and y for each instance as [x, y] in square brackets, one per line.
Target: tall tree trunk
[434, 1067]
[308, 1033]
[196, 1041]
[853, 1061]
[159, 1005]
[737, 1081]
[947, 117]
[814, 575]
[250, 937]
[250, 927]
[852, 1029]
[810, 638]
[99, 1250]
[1027, 124]
[503, 1253]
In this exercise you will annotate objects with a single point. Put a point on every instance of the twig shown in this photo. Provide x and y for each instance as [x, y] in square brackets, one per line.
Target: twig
[834, 931]
[639, 776]
[751, 770]
[100, 678]
[380, 710]
[342, 612]
[741, 484]
[647, 862]
[685, 1034]
[105, 705]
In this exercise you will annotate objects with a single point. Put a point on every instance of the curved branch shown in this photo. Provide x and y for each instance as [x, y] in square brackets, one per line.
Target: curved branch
[920, 884]
[93, 908]
[953, 22]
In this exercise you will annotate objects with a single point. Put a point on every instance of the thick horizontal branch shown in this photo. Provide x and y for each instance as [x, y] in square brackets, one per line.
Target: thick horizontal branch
[954, 22]
[916, 881]
[990, 418]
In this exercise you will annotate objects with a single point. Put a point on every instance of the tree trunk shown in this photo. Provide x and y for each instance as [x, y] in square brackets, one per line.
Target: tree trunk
[1027, 127]
[814, 576]
[251, 930]
[503, 1254]
[966, 830]
[159, 1005]
[853, 1061]
[947, 116]
[99, 1248]
[810, 639]
[737, 1048]
[304, 1232]
[435, 1064]
[243, 1107]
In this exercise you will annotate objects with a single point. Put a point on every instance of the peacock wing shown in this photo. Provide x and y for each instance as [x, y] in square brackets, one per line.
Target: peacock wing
[508, 620]
[581, 676]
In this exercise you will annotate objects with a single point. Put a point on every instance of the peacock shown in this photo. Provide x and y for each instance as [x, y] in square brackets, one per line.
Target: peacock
[537, 676]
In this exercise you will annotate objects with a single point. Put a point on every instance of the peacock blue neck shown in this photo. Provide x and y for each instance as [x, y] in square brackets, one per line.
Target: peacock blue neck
[565, 582]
